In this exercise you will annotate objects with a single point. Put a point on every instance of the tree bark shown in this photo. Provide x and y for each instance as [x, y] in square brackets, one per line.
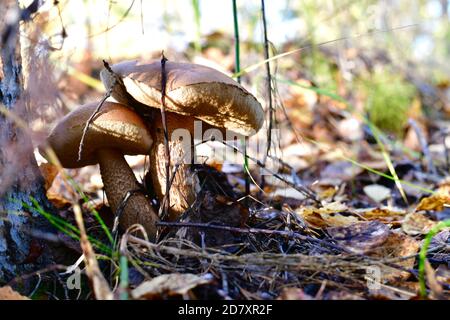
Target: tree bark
[20, 178]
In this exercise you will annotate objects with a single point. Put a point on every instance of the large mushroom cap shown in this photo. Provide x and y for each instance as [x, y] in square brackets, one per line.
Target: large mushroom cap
[191, 90]
[115, 126]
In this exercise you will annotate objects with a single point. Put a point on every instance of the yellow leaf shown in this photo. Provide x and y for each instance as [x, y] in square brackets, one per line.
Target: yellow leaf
[436, 202]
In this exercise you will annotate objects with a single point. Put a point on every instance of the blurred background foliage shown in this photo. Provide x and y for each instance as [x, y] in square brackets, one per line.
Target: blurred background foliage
[388, 59]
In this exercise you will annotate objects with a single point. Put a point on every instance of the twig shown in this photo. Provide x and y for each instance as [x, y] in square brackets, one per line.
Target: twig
[24, 277]
[237, 60]
[269, 77]
[91, 118]
[108, 28]
[289, 234]
[166, 203]
[305, 191]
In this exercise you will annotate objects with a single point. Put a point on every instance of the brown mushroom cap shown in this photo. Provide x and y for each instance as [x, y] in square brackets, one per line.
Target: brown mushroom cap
[115, 126]
[191, 90]
[116, 130]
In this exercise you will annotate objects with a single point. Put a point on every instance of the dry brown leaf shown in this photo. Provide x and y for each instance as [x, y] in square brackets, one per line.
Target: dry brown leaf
[169, 285]
[397, 245]
[416, 223]
[49, 172]
[57, 191]
[327, 192]
[7, 293]
[330, 215]
[435, 202]
[338, 220]
[313, 219]
[58, 200]
[385, 215]
[360, 237]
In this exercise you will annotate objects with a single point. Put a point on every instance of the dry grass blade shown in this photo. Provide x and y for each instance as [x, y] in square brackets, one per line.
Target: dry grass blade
[99, 283]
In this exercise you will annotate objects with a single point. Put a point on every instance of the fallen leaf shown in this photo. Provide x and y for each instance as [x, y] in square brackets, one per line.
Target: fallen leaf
[436, 202]
[397, 245]
[416, 223]
[49, 172]
[58, 200]
[330, 215]
[377, 193]
[338, 220]
[169, 284]
[385, 215]
[360, 237]
[326, 191]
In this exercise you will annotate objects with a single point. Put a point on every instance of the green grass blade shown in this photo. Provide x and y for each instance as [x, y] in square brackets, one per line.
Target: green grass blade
[94, 212]
[124, 283]
[197, 18]
[423, 254]
[62, 225]
[237, 63]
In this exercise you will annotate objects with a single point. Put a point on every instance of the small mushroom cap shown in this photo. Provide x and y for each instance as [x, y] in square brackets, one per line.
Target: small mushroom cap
[191, 90]
[115, 126]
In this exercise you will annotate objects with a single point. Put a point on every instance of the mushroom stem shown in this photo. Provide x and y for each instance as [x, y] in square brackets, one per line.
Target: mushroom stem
[185, 184]
[119, 180]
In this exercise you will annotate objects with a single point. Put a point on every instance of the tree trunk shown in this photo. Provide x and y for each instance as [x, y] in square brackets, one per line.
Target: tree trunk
[20, 178]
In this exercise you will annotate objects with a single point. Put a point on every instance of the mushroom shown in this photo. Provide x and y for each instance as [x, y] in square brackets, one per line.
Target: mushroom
[115, 130]
[193, 93]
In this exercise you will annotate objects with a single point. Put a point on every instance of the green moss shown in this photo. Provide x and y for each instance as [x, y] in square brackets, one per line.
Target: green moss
[389, 97]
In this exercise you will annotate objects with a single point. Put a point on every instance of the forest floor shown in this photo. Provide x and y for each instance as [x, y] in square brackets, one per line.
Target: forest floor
[344, 214]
